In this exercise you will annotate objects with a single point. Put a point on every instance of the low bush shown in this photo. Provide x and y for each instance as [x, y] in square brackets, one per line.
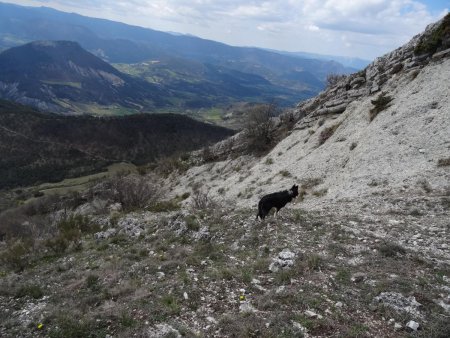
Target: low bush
[391, 250]
[333, 79]
[70, 230]
[16, 255]
[201, 199]
[444, 162]
[380, 104]
[326, 133]
[165, 206]
[30, 290]
[133, 191]
[430, 43]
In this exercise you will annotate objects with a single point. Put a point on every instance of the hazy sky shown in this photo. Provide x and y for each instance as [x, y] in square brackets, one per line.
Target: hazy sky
[362, 28]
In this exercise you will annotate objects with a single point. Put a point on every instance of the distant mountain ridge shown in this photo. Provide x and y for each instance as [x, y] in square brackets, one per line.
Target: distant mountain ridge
[121, 43]
[347, 61]
[60, 76]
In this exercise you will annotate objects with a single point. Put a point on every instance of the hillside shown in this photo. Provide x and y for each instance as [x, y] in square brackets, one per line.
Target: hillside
[42, 147]
[363, 252]
[378, 131]
[60, 76]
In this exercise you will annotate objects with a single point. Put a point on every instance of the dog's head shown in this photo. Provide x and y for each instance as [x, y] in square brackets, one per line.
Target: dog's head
[294, 191]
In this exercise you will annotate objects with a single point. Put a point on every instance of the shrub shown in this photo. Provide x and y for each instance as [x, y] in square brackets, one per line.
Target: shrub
[314, 262]
[333, 79]
[168, 165]
[201, 199]
[30, 290]
[192, 223]
[16, 256]
[285, 173]
[380, 104]
[326, 133]
[70, 230]
[93, 283]
[309, 183]
[269, 161]
[68, 326]
[133, 192]
[391, 249]
[259, 128]
[165, 206]
[171, 306]
[208, 155]
[429, 44]
[444, 162]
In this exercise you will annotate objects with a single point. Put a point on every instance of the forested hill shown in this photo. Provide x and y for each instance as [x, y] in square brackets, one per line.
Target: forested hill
[46, 147]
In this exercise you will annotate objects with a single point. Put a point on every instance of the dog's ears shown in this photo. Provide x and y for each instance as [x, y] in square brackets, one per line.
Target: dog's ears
[294, 187]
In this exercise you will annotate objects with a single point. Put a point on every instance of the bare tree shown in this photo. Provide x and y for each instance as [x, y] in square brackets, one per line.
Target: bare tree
[134, 191]
[259, 127]
[333, 78]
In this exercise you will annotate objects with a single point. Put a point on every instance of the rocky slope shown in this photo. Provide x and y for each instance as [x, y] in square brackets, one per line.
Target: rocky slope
[348, 154]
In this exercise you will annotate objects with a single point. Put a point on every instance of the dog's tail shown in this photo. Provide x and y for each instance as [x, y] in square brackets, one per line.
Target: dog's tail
[259, 214]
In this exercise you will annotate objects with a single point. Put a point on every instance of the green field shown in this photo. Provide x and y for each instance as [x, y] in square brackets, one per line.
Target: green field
[82, 183]
[62, 83]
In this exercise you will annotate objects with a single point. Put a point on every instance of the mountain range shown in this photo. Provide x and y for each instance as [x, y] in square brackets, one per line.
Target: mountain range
[228, 74]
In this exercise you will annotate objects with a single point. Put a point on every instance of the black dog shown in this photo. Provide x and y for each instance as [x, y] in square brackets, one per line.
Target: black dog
[276, 200]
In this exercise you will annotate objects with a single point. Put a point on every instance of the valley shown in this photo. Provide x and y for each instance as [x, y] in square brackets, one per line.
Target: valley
[159, 72]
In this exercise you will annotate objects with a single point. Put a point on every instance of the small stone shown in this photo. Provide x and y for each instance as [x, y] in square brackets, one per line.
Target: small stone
[398, 326]
[412, 325]
[211, 320]
[312, 314]
[280, 289]
[373, 307]
[358, 277]
[286, 254]
[273, 267]
[339, 304]
[185, 295]
[246, 307]
[299, 327]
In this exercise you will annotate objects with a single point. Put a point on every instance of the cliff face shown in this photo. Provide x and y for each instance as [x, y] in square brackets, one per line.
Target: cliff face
[381, 131]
